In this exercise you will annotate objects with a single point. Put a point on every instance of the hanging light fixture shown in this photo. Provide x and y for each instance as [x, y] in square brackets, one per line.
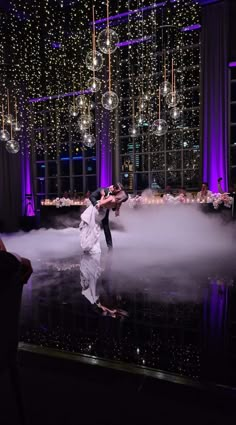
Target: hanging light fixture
[74, 110]
[159, 126]
[12, 146]
[134, 130]
[108, 39]
[110, 99]
[165, 85]
[9, 116]
[94, 83]
[4, 134]
[88, 140]
[172, 98]
[15, 124]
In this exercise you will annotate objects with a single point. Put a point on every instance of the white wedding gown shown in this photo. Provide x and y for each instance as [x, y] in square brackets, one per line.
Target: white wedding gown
[90, 229]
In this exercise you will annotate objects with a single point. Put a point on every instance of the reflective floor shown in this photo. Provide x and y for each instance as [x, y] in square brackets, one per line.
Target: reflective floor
[180, 324]
[164, 298]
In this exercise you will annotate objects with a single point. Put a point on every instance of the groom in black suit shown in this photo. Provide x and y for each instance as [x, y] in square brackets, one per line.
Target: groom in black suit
[95, 197]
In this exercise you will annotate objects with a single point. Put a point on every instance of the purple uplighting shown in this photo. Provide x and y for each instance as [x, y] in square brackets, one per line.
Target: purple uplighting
[105, 153]
[232, 64]
[27, 188]
[215, 93]
[56, 45]
[134, 41]
[59, 96]
[191, 28]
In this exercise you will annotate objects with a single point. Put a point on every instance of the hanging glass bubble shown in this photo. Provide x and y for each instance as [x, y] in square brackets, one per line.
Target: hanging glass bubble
[88, 140]
[172, 99]
[94, 84]
[81, 101]
[175, 113]
[4, 135]
[165, 88]
[9, 119]
[73, 110]
[16, 126]
[108, 40]
[134, 131]
[12, 146]
[94, 60]
[159, 127]
[110, 100]
[85, 121]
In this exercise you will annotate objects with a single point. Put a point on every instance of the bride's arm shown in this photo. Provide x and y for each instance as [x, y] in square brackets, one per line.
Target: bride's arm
[104, 202]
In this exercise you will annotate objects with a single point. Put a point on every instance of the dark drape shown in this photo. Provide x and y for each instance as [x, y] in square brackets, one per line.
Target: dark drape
[10, 190]
[214, 94]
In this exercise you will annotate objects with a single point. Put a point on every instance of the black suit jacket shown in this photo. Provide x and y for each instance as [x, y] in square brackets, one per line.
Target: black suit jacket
[96, 195]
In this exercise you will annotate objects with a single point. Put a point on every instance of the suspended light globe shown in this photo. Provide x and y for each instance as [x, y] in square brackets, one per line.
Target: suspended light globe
[94, 60]
[159, 127]
[9, 119]
[16, 126]
[110, 100]
[172, 99]
[175, 113]
[89, 140]
[12, 146]
[134, 131]
[74, 111]
[81, 101]
[85, 121]
[165, 88]
[4, 135]
[108, 40]
[94, 84]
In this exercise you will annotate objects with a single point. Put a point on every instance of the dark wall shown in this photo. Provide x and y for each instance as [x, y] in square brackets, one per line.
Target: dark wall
[232, 29]
[10, 190]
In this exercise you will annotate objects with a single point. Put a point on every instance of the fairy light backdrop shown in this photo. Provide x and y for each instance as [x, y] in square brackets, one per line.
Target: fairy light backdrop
[49, 43]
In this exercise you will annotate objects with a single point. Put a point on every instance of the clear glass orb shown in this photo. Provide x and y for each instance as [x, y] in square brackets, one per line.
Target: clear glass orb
[12, 146]
[88, 140]
[94, 84]
[94, 60]
[165, 88]
[85, 122]
[134, 131]
[175, 113]
[159, 127]
[110, 100]
[16, 126]
[81, 101]
[9, 119]
[107, 40]
[74, 111]
[4, 135]
[172, 99]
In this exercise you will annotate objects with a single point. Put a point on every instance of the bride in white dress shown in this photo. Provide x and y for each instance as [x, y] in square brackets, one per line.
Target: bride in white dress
[91, 218]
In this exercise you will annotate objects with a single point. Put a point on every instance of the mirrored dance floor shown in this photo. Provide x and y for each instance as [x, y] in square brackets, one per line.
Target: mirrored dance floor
[175, 322]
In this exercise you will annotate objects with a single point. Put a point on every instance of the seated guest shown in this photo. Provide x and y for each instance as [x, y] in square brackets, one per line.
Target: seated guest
[205, 194]
[231, 191]
[11, 263]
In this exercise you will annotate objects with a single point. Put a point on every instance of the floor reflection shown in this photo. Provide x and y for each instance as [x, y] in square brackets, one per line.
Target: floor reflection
[86, 305]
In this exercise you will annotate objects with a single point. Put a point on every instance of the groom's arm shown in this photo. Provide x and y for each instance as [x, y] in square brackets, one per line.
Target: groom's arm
[95, 196]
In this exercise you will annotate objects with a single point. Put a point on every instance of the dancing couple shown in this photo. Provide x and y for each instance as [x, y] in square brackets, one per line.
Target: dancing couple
[97, 214]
